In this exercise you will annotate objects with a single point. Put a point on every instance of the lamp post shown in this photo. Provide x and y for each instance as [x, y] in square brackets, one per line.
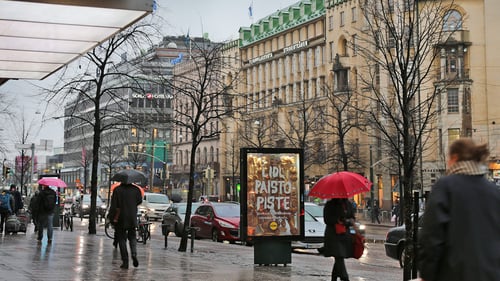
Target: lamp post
[152, 175]
[371, 188]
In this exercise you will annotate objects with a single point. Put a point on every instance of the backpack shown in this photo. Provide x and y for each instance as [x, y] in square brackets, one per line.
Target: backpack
[5, 202]
[49, 201]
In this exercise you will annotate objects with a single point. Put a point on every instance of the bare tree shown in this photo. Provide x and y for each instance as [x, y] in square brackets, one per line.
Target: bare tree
[24, 134]
[398, 42]
[99, 91]
[199, 89]
[341, 120]
[112, 153]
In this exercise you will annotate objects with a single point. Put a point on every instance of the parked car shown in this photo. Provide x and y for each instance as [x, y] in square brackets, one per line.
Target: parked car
[314, 233]
[173, 217]
[317, 212]
[218, 221]
[82, 206]
[395, 242]
[154, 205]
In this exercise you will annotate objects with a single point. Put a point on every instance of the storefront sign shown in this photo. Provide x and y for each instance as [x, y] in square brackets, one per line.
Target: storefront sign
[296, 46]
[272, 192]
[261, 58]
[151, 96]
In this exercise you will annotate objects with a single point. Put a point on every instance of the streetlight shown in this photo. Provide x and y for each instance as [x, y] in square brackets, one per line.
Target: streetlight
[371, 188]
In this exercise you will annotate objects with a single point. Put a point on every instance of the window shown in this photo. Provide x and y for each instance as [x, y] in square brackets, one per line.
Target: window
[452, 21]
[331, 51]
[342, 18]
[354, 14]
[354, 45]
[330, 22]
[453, 134]
[452, 100]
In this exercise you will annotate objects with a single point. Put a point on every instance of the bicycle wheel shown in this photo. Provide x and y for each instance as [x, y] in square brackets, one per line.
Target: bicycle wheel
[144, 234]
[109, 230]
[66, 222]
[138, 234]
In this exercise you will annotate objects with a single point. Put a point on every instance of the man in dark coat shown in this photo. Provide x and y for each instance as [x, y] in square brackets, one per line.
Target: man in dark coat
[18, 199]
[338, 245]
[460, 238]
[123, 214]
[46, 204]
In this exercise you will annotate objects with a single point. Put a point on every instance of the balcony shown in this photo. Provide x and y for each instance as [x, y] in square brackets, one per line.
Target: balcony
[455, 37]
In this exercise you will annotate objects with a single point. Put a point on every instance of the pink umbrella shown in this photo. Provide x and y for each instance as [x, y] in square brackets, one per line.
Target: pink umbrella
[52, 182]
[340, 185]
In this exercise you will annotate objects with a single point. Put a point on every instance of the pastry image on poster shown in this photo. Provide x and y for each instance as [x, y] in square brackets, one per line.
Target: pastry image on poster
[273, 194]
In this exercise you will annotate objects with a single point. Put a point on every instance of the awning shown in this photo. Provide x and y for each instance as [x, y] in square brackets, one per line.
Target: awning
[37, 37]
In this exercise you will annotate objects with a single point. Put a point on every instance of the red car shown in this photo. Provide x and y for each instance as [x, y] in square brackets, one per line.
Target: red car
[218, 221]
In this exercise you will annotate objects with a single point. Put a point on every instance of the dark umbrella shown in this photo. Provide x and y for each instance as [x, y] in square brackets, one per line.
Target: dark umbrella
[176, 198]
[340, 185]
[130, 176]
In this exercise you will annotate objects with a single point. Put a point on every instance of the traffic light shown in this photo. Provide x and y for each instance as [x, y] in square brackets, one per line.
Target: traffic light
[238, 187]
[204, 172]
[6, 171]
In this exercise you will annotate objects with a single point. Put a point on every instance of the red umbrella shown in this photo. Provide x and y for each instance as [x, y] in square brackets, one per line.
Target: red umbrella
[340, 185]
[116, 184]
[52, 182]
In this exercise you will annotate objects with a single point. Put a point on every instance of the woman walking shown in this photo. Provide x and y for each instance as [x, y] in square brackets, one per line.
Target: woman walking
[339, 216]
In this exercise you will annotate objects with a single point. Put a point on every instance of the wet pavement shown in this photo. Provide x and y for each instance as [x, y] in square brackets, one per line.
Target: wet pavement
[79, 256]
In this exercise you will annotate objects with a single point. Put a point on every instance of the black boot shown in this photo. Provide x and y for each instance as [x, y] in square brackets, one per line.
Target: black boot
[135, 261]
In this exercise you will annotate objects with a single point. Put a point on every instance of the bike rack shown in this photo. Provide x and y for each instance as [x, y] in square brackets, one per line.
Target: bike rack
[191, 234]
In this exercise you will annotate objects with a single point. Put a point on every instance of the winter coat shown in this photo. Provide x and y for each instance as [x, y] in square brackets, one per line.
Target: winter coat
[338, 245]
[460, 237]
[124, 206]
[18, 204]
[41, 201]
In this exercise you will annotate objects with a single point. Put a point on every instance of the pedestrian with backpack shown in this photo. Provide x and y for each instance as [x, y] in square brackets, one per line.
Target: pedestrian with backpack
[5, 208]
[46, 206]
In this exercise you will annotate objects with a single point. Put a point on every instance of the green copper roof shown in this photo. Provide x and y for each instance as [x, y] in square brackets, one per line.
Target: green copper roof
[284, 19]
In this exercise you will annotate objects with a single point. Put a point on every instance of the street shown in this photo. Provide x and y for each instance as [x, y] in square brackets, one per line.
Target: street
[79, 256]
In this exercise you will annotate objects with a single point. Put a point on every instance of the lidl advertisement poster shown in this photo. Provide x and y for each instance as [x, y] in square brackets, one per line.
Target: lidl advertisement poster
[273, 194]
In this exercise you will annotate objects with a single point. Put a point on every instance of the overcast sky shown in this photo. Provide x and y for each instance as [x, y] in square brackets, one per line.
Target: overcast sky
[221, 19]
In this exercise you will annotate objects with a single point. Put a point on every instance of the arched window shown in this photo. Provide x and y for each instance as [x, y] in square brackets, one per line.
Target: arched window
[452, 21]
[211, 154]
[205, 158]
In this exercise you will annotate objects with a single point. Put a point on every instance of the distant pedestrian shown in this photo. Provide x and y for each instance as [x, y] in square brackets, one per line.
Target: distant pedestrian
[6, 202]
[460, 236]
[123, 215]
[339, 216]
[33, 208]
[45, 209]
[376, 211]
[396, 209]
[18, 199]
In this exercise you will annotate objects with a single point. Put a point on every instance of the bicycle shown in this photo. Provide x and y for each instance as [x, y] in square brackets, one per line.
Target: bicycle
[67, 220]
[143, 229]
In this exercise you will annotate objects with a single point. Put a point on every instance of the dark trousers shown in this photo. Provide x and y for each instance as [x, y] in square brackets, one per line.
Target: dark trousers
[122, 235]
[3, 216]
[339, 270]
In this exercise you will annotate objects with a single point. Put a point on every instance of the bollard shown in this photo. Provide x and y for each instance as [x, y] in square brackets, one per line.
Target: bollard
[166, 240]
[192, 231]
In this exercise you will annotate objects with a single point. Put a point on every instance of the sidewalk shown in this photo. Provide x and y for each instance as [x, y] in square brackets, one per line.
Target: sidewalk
[79, 256]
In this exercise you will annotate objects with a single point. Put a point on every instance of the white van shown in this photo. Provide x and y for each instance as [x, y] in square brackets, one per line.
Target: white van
[154, 204]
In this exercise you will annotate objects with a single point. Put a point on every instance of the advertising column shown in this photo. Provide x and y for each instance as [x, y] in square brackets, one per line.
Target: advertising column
[272, 202]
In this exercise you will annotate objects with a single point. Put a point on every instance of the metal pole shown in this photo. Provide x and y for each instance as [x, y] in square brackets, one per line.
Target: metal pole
[32, 164]
[152, 160]
[22, 170]
[371, 189]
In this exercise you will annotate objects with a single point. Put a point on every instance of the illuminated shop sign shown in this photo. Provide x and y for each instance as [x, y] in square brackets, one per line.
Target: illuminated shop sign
[272, 193]
[296, 46]
[151, 96]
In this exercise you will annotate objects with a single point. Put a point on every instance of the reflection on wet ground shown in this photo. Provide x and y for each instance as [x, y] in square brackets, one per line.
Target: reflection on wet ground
[79, 256]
